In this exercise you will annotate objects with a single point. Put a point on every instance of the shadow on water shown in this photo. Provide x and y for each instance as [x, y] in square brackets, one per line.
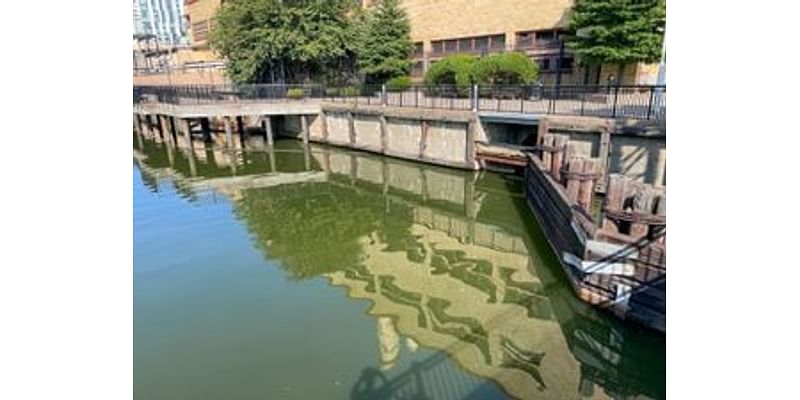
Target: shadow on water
[450, 259]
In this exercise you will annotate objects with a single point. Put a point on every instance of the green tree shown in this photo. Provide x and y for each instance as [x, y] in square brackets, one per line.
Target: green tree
[289, 40]
[384, 44]
[506, 69]
[456, 69]
[617, 31]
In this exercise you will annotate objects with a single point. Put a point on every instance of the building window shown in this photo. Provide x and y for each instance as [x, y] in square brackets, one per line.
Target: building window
[451, 46]
[437, 47]
[418, 49]
[498, 42]
[545, 36]
[567, 63]
[544, 64]
[417, 69]
[200, 31]
[481, 43]
[465, 44]
[525, 40]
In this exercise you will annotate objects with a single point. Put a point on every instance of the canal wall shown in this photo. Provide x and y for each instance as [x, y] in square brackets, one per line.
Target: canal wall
[440, 137]
[637, 150]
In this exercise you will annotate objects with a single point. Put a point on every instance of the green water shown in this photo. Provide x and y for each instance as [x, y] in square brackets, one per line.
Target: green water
[325, 274]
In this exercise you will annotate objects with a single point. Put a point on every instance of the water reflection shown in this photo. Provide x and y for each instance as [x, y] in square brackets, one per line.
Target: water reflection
[449, 260]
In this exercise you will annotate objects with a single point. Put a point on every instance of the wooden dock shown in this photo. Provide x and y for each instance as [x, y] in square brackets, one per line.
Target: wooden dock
[614, 256]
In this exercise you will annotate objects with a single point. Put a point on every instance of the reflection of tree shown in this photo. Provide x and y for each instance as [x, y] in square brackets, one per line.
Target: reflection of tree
[313, 228]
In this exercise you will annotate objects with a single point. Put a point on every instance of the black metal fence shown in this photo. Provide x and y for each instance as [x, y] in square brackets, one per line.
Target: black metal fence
[640, 102]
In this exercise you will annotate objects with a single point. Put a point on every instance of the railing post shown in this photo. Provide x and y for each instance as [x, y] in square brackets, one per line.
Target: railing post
[614, 109]
[650, 103]
[477, 98]
[474, 98]
[583, 99]
[385, 96]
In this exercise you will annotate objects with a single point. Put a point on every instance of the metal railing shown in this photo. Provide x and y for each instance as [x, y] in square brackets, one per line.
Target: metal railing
[629, 101]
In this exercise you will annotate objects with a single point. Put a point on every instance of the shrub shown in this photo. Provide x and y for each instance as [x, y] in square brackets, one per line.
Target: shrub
[351, 91]
[295, 93]
[506, 69]
[398, 83]
[456, 69]
[330, 92]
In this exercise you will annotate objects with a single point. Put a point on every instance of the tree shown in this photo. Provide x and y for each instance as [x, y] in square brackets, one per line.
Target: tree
[289, 40]
[384, 45]
[617, 31]
[457, 69]
[506, 69]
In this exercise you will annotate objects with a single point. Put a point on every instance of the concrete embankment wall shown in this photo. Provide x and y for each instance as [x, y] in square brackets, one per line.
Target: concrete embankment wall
[430, 136]
[636, 151]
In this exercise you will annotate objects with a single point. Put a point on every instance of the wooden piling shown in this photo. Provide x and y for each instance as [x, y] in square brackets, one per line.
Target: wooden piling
[547, 155]
[573, 183]
[423, 138]
[558, 156]
[228, 132]
[266, 123]
[351, 125]
[642, 204]
[384, 133]
[205, 126]
[304, 128]
[240, 126]
[615, 193]
[472, 126]
[586, 188]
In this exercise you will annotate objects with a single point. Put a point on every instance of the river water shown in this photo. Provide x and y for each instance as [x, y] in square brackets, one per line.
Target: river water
[319, 273]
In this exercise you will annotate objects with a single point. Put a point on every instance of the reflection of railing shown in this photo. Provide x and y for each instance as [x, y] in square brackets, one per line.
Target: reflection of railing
[429, 379]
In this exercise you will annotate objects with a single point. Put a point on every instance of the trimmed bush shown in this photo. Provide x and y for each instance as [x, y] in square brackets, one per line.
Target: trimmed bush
[398, 84]
[455, 69]
[506, 69]
[330, 92]
[295, 93]
[351, 91]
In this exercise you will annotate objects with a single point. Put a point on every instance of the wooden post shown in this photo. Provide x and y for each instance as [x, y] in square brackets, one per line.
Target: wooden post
[190, 158]
[351, 125]
[157, 125]
[543, 129]
[384, 133]
[324, 126]
[266, 123]
[642, 203]
[423, 139]
[661, 209]
[547, 155]
[304, 128]
[167, 132]
[472, 126]
[228, 132]
[272, 166]
[573, 183]
[615, 195]
[604, 153]
[586, 190]
[240, 125]
[558, 157]
[205, 126]
[173, 129]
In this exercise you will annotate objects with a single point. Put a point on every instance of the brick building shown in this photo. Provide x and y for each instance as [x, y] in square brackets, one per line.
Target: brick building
[535, 27]
[443, 27]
